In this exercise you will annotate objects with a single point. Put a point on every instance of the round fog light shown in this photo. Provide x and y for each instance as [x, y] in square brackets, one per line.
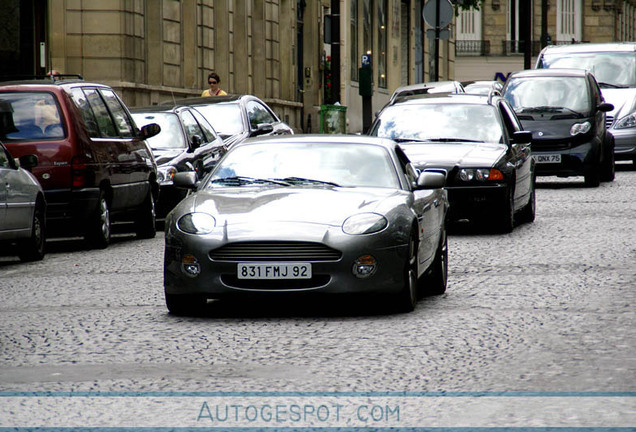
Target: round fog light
[190, 266]
[364, 266]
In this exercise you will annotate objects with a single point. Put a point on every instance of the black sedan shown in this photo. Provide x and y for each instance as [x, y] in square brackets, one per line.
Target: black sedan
[308, 215]
[479, 143]
[187, 142]
[238, 117]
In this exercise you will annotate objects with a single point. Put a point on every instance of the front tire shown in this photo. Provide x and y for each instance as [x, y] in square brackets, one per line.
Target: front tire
[146, 221]
[504, 221]
[528, 213]
[608, 170]
[436, 281]
[406, 299]
[32, 249]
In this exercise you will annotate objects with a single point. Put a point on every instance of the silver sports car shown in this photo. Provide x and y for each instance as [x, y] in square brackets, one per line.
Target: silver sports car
[307, 215]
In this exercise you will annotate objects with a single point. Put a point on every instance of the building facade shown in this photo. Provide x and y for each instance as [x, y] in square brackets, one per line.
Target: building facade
[151, 51]
[489, 44]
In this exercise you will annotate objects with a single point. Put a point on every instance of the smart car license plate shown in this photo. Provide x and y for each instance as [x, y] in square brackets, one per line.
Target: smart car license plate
[547, 158]
[274, 270]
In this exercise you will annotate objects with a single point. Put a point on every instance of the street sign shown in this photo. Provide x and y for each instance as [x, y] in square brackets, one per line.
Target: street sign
[429, 11]
[366, 60]
[443, 34]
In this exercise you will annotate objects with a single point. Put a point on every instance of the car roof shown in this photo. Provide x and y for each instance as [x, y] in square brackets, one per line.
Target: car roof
[335, 139]
[207, 100]
[591, 47]
[551, 72]
[64, 80]
[425, 85]
[450, 98]
[156, 109]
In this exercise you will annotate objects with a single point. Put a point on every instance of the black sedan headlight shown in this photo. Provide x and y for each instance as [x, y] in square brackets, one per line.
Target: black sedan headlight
[196, 223]
[479, 174]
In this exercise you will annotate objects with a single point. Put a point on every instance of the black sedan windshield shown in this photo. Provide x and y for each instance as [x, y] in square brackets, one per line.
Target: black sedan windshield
[447, 122]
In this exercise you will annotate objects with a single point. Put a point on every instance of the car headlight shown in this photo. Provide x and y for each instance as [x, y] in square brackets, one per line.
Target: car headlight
[196, 223]
[364, 223]
[580, 128]
[479, 174]
[629, 121]
[165, 174]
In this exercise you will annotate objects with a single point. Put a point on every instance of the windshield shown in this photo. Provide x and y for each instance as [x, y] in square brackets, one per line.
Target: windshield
[341, 164]
[614, 68]
[562, 94]
[225, 118]
[30, 116]
[456, 122]
[171, 135]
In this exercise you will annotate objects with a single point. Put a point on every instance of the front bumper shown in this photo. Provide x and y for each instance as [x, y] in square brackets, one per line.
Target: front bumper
[575, 160]
[625, 144]
[467, 202]
[218, 277]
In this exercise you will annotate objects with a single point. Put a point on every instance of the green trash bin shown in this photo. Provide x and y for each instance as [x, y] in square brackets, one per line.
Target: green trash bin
[333, 119]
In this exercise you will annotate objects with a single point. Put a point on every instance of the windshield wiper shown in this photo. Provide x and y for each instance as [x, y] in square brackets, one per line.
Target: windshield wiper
[297, 180]
[610, 85]
[549, 109]
[453, 140]
[242, 180]
[402, 140]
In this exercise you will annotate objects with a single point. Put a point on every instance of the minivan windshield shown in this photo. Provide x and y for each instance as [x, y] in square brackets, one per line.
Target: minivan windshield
[611, 69]
[548, 94]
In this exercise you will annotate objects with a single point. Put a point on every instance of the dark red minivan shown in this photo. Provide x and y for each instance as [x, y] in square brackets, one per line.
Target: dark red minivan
[93, 162]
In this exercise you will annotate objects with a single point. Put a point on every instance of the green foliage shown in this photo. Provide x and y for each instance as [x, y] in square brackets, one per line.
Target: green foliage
[467, 5]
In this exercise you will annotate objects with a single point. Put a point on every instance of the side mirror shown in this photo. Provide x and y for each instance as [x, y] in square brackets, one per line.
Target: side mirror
[186, 180]
[605, 107]
[262, 129]
[430, 180]
[150, 130]
[196, 142]
[522, 137]
[28, 161]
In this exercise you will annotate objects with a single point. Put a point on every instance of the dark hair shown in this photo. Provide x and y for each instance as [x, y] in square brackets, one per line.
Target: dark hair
[215, 76]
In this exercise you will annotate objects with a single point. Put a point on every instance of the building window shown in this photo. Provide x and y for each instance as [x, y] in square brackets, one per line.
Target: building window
[382, 43]
[367, 29]
[568, 21]
[353, 44]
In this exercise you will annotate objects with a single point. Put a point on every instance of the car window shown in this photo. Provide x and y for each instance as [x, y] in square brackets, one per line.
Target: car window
[31, 116]
[104, 120]
[510, 120]
[226, 118]
[209, 133]
[569, 92]
[121, 120]
[171, 135]
[258, 114]
[471, 122]
[344, 164]
[4, 158]
[87, 112]
[616, 68]
[191, 126]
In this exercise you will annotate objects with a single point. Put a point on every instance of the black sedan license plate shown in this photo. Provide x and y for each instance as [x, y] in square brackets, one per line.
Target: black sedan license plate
[272, 270]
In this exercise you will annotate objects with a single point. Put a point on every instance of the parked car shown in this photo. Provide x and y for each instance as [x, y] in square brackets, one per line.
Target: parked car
[482, 87]
[614, 67]
[565, 110]
[238, 117]
[427, 88]
[22, 207]
[94, 164]
[479, 143]
[187, 142]
[304, 215]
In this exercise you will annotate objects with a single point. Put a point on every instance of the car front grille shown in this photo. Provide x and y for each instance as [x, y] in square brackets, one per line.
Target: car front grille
[548, 145]
[275, 251]
[608, 121]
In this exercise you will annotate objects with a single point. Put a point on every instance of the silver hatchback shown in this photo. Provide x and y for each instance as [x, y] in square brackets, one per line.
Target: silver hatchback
[22, 208]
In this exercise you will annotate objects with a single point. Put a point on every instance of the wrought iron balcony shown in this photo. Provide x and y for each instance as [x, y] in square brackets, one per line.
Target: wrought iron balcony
[472, 47]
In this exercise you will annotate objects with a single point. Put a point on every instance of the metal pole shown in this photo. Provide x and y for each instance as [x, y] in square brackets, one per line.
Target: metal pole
[437, 40]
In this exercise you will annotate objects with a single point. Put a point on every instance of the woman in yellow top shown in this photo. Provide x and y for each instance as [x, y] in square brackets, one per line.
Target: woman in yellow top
[213, 80]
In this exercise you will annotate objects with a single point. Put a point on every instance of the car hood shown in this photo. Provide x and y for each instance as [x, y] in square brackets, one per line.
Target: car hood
[450, 155]
[308, 205]
[552, 129]
[622, 99]
[163, 156]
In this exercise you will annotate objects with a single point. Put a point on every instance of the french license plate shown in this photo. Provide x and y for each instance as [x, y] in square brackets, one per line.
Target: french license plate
[547, 158]
[274, 270]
